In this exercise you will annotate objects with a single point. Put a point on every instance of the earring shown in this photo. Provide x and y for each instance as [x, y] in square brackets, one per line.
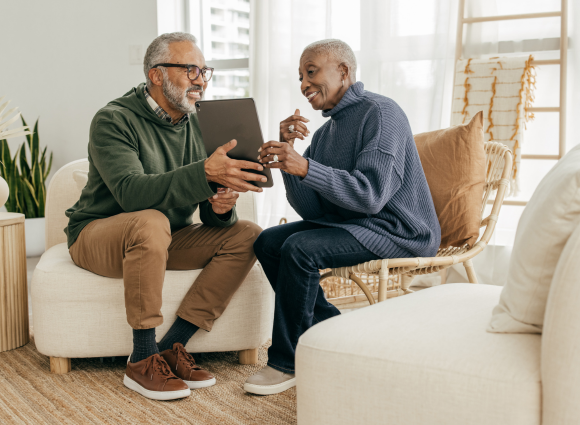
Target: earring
[342, 83]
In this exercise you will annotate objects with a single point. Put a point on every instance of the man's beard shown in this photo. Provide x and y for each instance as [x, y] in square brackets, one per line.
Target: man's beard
[178, 97]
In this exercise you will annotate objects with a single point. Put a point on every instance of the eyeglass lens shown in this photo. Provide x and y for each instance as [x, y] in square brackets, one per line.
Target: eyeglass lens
[194, 72]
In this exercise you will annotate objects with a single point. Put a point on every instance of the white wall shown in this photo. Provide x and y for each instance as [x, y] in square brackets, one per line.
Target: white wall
[62, 60]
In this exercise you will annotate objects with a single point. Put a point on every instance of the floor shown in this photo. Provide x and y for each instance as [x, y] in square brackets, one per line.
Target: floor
[93, 392]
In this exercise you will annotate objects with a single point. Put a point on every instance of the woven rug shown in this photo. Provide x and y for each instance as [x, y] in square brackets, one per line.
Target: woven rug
[93, 393]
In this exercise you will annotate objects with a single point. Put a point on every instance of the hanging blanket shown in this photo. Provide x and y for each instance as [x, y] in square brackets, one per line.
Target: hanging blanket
[503, 88]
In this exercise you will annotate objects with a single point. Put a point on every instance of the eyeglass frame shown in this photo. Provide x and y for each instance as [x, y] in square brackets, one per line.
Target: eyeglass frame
[189, 67]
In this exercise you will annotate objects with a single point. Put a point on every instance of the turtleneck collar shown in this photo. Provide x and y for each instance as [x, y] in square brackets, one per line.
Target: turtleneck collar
[350, 97]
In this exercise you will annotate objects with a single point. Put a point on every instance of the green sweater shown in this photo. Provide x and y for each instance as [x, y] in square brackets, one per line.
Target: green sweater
[137, 161]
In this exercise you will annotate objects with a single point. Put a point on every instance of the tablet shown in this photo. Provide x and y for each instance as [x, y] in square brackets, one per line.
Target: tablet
[223, 120]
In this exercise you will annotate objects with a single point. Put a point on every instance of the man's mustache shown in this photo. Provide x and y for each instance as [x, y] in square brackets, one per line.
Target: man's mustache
[194, 88]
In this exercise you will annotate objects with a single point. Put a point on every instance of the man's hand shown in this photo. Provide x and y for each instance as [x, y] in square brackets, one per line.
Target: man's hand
[222, 169]
[288, 159]
[224, 200]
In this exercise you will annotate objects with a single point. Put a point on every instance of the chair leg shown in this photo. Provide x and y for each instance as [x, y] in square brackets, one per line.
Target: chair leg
[248, 356]
[443, 274]
[59, 365]
[470, 271]
[406, 283]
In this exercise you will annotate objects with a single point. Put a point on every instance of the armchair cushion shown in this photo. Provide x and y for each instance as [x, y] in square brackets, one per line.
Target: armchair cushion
[544, 228]
[453, 160]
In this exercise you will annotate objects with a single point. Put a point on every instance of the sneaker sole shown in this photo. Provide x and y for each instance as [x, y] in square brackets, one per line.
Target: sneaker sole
[270, 389]
[195, 385]
[155, 395]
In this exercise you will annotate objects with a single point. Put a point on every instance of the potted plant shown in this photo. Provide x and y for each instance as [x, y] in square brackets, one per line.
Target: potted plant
[26, 176]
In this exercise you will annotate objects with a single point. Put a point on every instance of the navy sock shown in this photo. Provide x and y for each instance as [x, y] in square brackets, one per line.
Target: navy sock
[143, 344]
[181, 331]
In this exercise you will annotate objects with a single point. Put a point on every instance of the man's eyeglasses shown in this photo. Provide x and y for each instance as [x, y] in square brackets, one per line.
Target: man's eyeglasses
[193, 71]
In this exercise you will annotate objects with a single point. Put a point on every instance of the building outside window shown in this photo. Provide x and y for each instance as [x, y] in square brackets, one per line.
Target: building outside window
[222, 28]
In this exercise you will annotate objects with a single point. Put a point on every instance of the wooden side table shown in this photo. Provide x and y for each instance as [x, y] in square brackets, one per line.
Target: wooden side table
[14, 331]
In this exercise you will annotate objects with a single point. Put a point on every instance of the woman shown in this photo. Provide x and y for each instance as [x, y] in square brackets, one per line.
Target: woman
[359, 188]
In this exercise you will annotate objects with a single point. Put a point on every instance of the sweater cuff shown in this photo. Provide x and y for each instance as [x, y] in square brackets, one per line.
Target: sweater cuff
[318, 175]
[199, 182]
[210, 218]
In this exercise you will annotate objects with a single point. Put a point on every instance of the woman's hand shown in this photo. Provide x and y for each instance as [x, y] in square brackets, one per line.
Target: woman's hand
[224, 200]
[300, 130]
[288, 159]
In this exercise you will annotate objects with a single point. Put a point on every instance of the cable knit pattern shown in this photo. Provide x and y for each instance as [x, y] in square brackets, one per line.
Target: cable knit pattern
[365, 176]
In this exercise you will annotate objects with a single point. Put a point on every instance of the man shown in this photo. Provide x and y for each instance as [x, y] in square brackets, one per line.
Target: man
[148, 172]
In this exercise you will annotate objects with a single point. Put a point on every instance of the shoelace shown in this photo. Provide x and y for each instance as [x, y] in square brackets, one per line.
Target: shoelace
[156, 363]
[186, 357]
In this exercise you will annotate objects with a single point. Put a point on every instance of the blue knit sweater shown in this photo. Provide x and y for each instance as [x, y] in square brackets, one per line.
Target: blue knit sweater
[365, 176]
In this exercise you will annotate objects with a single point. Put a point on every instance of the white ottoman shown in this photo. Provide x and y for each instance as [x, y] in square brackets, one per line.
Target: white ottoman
[424, 358]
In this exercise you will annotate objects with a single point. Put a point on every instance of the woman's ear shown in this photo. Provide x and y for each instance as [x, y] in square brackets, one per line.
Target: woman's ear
[344, 71]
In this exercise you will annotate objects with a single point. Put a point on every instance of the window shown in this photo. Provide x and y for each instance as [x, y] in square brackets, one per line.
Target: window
[540, 37]
[222, 28]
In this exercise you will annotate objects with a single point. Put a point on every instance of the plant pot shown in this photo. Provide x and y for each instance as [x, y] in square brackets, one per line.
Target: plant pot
[35, 237]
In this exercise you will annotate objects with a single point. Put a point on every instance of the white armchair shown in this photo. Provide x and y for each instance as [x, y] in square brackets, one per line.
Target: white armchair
[426, 358]
[79, 314]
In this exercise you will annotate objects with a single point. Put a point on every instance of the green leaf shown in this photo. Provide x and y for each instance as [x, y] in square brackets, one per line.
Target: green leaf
[28, 136]
[30, 200]
[49, 167]
[41, 201]
[43, 161]
[35, 144]
[24, 168]
[15, 192]
[37, 179]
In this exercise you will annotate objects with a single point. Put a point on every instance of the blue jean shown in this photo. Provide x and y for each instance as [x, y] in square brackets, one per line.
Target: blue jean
[291, 256]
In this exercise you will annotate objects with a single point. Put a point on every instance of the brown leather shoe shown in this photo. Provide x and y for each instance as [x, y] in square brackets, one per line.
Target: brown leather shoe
[183, 365]
[153, 379]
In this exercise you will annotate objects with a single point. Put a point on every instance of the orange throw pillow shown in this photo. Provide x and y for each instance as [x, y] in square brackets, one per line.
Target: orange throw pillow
[454, 163]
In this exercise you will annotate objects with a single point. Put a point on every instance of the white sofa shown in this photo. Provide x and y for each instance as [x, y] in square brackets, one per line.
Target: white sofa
[426, 358]
[79, 314]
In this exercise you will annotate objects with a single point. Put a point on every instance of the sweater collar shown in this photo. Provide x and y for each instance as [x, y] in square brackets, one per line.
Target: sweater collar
[349, 98]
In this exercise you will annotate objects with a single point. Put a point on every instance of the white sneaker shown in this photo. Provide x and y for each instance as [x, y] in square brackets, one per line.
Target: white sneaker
[269, 381]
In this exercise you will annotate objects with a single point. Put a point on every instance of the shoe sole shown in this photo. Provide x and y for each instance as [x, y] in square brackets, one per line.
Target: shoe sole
[155, 395]
[270, 389]
[195, 385]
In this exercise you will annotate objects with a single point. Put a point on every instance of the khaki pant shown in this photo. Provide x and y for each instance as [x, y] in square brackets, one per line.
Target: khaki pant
[139, 247]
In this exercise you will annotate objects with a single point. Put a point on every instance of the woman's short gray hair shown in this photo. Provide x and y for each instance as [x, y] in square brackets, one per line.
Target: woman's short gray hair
[158, 50]
[337, 50]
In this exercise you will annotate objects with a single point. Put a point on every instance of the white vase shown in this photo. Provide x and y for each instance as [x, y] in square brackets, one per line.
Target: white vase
[34, 233]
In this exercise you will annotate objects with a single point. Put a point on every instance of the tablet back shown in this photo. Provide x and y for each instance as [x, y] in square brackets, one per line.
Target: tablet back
[223, 120]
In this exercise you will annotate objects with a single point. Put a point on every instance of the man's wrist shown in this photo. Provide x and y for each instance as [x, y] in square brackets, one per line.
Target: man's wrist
[207, 177]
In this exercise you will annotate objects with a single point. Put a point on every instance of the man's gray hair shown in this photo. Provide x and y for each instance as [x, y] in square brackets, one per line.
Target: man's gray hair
[158, 50]
[335, 49]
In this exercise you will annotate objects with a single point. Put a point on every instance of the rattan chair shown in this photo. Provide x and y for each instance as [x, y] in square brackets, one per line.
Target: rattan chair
[382, 279]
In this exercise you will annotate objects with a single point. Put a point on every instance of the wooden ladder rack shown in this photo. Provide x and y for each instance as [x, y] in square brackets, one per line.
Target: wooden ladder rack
[563, 62]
